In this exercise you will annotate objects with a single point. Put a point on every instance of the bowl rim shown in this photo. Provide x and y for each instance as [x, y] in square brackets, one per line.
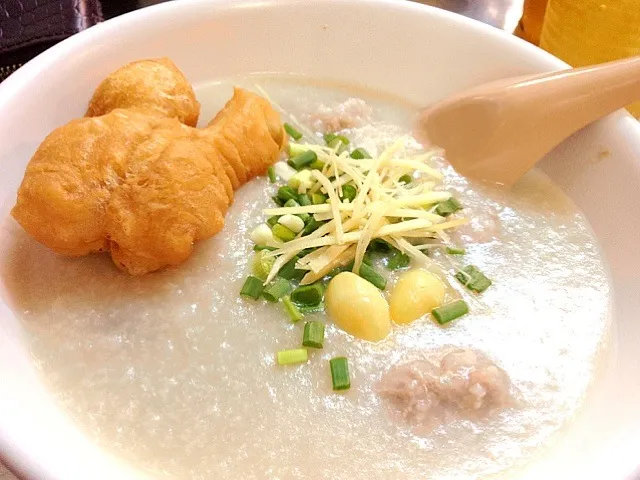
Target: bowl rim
[14, 456]
[36, 65]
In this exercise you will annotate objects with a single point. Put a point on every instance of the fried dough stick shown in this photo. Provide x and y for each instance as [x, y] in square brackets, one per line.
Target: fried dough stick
[136, 181]
[150, 86]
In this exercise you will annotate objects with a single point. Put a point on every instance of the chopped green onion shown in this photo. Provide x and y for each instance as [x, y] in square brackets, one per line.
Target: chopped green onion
[305, 309]
[290, 272]
[292, 203]
[303, 179]
[337, 142]
[318, 198]
[369, 274]
[262, 264]
[313, 335]
[291, 357]
[378, 245]
[455, 251]
[293, 133]
[329, 137]
[398, 260]
[332, 137]
[349, 192]
[292, 222]
[271, 221]
[277, 201]
[296, 149]
[405, 179]
[252, 288]
[287, 193]
[360, 154]
[303, 160]
[455, 203]
[272, 174]
[473, 279]
[312, 226]
[340, 373]
[292, 310]
[304, 200]
[308, 294]
[283, 233]
[450, 311]
[444, 209]
[278, 289]
[338, 145]
[259, 248]
[367, 258]
[317, 165]
[305, 217]
[338, 270]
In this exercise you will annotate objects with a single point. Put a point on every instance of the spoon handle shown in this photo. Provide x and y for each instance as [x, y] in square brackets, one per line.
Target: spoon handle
[574, 98]
[499, 130]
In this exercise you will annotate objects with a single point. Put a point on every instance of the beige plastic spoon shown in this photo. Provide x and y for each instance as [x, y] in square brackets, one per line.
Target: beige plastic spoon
[499, 130]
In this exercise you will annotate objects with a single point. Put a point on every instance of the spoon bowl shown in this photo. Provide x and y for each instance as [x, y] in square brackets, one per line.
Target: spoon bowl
[498, 131]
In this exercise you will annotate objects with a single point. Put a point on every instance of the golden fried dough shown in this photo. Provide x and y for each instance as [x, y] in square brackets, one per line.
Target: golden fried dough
[168, 201]
[150, 86]
[226, 174]
[245, 116]
[139, 182]
[68, 182]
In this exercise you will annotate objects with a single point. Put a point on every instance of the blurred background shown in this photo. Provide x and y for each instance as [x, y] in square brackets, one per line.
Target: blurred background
[499, 13]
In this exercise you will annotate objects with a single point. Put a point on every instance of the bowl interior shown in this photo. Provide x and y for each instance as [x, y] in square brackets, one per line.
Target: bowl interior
[417, 52]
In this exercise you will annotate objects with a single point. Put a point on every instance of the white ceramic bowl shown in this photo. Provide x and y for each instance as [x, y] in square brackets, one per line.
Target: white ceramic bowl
[414, 51]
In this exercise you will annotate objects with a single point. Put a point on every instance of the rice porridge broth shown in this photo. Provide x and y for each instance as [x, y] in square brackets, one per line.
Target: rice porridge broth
[176, 373]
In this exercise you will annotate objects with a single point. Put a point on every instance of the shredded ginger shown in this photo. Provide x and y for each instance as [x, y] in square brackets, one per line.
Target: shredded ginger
[384, 208]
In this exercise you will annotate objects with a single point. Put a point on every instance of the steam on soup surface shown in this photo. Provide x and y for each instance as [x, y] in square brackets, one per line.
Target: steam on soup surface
[176, 372]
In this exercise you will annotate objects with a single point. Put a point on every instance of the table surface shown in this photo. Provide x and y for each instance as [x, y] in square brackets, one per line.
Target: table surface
[499, 13]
